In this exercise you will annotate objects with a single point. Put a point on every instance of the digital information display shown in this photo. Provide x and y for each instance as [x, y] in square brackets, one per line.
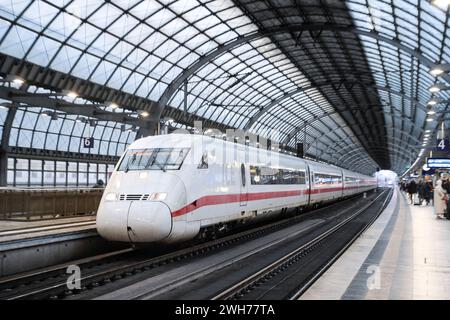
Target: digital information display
[440, 163]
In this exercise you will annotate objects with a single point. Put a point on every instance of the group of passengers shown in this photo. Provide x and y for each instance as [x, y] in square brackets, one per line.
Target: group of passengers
[422, 190]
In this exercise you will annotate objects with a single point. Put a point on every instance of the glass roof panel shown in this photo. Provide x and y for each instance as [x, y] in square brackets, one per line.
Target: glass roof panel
[142, 46]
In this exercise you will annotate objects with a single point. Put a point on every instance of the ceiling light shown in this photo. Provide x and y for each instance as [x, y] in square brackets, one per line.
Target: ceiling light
[428, 130]
[144, 114]
[432, 102]
[441, 3]
[436, 71]
[15, 79]
[70, 94]
[431, 112]
[434, 88]
[439, 68]
[18, 81]
[112, 105]
[430, 119]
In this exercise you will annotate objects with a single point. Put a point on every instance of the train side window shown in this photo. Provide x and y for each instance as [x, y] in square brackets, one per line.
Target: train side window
[204, 162]
[243, 174]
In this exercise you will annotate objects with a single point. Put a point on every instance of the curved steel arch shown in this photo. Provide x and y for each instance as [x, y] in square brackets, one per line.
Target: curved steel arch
[348, 146]
[353, 154]
[222, 48]
[326, 83]
[403, 152]
[363, 161]
[349, 126]
[406, 154]
[299, 129]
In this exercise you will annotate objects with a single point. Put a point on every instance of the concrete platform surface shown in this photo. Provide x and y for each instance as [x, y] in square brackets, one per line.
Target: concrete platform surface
[405, 254]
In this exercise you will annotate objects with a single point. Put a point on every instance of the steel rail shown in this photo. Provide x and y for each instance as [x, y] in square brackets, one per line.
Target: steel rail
[249, 281]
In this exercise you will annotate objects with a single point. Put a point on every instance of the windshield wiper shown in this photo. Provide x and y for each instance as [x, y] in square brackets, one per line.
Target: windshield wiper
[153, 161]
[133, 159]
[161, 166]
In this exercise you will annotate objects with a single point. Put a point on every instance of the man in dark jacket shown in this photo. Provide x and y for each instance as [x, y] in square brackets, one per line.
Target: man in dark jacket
[421, 191]
[412, 189]
[428, 191]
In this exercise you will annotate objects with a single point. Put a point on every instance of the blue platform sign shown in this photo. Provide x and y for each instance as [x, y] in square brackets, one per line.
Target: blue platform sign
[438, 163]
[443, 144]
[88, 142]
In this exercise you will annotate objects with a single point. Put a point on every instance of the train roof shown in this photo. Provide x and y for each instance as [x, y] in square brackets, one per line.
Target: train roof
[179, 140]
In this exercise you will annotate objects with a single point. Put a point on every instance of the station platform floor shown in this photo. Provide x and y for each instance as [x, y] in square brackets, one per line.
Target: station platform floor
[405, 254]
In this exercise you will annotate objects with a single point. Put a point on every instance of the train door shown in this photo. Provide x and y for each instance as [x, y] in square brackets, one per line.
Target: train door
[243, 186]
[309, 183]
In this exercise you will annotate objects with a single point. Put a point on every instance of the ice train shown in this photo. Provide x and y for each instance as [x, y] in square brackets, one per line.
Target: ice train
[175, 187]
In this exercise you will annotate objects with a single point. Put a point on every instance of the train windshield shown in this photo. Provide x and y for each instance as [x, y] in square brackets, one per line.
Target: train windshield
[153, 159]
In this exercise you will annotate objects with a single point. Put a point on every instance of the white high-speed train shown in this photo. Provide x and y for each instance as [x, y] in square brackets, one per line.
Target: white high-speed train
[175, 187]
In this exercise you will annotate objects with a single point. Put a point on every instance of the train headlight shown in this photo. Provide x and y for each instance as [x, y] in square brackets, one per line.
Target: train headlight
[160, 196]
[111, 196]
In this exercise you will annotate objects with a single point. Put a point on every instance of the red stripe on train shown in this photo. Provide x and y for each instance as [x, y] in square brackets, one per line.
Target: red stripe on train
[232, 198]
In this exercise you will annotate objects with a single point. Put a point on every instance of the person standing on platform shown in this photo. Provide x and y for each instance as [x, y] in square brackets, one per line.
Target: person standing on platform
[421, 191]
[412, 190]
[440, 200]
[428, 191]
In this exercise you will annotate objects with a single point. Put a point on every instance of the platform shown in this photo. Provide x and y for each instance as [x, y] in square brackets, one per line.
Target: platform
[21, 229]
[405, 254]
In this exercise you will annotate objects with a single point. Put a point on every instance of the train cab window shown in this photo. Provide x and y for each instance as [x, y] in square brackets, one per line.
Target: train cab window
[153, 159]
[204, 161]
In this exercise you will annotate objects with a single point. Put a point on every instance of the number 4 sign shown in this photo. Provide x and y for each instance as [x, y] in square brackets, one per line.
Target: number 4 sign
[443, 144]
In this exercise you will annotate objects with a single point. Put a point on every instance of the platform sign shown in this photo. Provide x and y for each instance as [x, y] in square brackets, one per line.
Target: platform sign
[88, 142]
[443, 144]
[438, 163]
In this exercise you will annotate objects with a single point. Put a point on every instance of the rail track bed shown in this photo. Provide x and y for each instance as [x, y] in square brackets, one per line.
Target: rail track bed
[220, 268]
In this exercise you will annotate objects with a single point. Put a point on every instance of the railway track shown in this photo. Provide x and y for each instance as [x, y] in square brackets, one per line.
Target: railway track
[102, 270]
[263, 284]
[197, 279]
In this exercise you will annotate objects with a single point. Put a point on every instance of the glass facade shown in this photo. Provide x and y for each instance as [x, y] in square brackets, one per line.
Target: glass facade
[32, 128]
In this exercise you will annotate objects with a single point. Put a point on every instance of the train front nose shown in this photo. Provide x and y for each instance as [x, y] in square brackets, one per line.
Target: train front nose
[135, 221]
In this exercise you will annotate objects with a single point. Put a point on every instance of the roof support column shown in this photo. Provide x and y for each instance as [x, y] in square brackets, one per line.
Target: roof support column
[4, 148]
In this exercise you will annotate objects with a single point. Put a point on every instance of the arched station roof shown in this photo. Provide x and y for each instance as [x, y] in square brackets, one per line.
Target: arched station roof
[345, 77]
